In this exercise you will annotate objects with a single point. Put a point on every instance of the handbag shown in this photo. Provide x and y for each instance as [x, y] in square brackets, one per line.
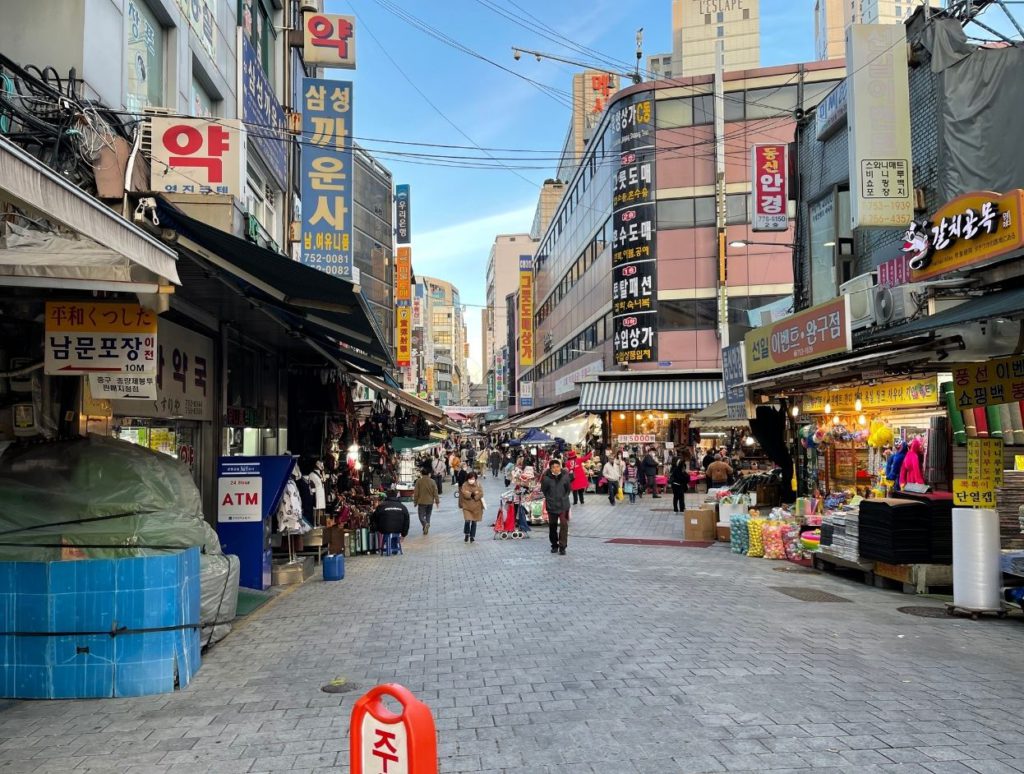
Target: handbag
[629, 487]
[618, 495]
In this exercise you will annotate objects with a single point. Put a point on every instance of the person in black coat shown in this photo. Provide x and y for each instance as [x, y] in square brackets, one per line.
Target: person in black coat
[679, 480]
[556, 486]
[649, 469]
[391, 516]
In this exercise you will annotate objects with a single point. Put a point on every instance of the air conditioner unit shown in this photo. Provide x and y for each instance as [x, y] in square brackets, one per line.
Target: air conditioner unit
[894, 305]
[860, 290]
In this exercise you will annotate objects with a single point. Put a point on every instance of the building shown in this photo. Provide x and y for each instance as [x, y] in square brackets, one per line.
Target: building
[698, 26]
[694, 195]
[659, 67]
[832, 17]
[373, 238]
[502, 278]
[551, 193]
[445, 371]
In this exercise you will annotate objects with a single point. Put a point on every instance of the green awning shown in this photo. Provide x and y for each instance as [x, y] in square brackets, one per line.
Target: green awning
[403, 443]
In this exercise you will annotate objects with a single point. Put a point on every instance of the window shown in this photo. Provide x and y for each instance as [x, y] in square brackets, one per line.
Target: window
[720, 17]
[771, 103]
[202, 102]
[145, 51]
[814, 93]
[704, 211]
[735, 107]
[685, 111]
[675, 213]
[256, 19]
[721, 32]
[736, 209]
[746, 13]
[687, 315]
[740, 306]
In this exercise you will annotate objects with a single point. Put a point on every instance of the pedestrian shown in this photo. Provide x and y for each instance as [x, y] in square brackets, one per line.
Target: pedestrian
[471, 500]
[510, 466]
[455, 463]
[612, 473]
[719, 472]
[425, 496]
[649, 468]
[631, 479]
[679, 480]
[495, 460]
[440, 471]
[555, 485]
[576, 467]
[391, 516]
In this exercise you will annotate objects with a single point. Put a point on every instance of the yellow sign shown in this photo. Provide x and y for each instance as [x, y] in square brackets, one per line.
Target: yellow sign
[88, 317]
[1018, 461]
[902, 394]
[812, 334]
[970, 230]
[985, 460]
[403, 335]
[526, 342]
[970, 493]
[988, 384]
[403, 274]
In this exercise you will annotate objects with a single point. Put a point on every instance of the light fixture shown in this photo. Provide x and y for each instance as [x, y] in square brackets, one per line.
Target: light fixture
[862, 420]
[738, 243]
[795, 411]
[749, 441]
[828, 408]
[622, 416]
[835, 420]
[664, 416]
[858, 405]
[828, 244]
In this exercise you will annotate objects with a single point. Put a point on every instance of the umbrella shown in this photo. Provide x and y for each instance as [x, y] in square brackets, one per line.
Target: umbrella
[537, 436]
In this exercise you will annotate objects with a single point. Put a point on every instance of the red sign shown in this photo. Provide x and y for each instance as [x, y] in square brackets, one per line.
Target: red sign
[770, 185]
[197, 156]
[894, 272]
[382, 742]
[330, 39]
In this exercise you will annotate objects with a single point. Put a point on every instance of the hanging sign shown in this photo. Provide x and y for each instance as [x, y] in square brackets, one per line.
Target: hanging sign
[985, 460]
[733, 378]
[403, 225]
[636, 439]
[197, 156]
[123, 386]
[99, 338]
[989, 383]
[403, 333]
[770, 176]
[526, 342]
[908, 393]
[971, 230]
[812, 334]
[382, 742]
[971, 493]
[329, 39]
[262, 111]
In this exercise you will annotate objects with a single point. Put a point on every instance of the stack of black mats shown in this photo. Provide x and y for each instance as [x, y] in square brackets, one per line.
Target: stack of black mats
[895, 531]
[940, 506]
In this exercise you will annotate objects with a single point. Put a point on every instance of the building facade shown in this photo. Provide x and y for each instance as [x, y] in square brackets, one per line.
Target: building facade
[444, 369]
[502, 278]
[832, 17]
[698, 26]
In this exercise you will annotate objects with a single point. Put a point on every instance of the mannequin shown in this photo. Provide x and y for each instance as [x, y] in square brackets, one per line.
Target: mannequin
[911, 472]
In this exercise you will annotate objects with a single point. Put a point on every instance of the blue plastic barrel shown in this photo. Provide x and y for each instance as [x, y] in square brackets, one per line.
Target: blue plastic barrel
[334, 567]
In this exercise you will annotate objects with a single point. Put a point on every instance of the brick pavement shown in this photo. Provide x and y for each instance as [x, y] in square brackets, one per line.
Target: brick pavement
[612, 659]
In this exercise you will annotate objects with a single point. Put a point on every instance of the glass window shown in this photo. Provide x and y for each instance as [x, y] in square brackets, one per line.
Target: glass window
[673, 113]
[201, 103]
[736, 208]
[145, 51]
[771, 103]
[703, 109]
[704, 211]
[735, 107]
[675, 213]
[687, 315]
[256, 20]
[814, 93]
[721, 32]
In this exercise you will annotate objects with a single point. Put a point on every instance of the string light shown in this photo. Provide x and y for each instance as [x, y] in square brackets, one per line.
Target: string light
[862, 420]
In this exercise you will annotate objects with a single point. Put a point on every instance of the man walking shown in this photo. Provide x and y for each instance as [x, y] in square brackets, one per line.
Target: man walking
[426, 496]
[495, 460]
[612, 474]
[556, 485]
[720, 472]
[440, 470]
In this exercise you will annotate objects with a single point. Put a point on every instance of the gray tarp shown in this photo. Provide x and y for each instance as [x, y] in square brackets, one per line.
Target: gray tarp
[981, 112]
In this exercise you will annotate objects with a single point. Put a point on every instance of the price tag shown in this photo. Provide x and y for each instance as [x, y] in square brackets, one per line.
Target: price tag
[972, 493]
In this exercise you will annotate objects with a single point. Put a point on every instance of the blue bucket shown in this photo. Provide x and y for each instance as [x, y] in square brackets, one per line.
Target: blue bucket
[334, 567]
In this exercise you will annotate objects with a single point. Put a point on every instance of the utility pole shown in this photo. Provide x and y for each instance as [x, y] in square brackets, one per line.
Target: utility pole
[721, 202]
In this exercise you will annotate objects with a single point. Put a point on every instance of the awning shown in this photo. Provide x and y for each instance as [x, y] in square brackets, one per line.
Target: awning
[106, 251]
[717, 415]
[653, 395]
[517, 420]
[551, 415]
[325, 306]
[1006, 303]
[402, 397]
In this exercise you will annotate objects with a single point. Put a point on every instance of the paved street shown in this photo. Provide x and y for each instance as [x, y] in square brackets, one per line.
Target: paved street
[615, 658]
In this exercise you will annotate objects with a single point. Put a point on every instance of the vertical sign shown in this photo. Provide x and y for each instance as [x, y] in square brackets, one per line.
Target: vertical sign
[733, 378]
[327, 176]
[402, 223]
[526, 310]
[261, 110]
[878, 124]
[329, 39]
[403, 307]
[769, 177]
[202, 18]
[525, 395]
[634, 245]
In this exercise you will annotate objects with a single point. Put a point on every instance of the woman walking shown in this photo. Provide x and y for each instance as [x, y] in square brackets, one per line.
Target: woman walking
[576, 467]
[679, 479]
[471, 500]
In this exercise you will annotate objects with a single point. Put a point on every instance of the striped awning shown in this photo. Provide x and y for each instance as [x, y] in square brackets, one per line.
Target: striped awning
[654, 395]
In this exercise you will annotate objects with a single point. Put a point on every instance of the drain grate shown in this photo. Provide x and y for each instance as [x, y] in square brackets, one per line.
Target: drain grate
[339, 685]
[808, 595]
[795, 568]
[649, 542]
[925, 612]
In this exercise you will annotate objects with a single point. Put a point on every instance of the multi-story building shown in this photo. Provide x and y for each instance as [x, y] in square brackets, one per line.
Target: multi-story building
[502, 279]
[444, 341]
[698, 181]
[551, 193]
[832, 17]
[659, 67]
[699, 26]
[372, 238]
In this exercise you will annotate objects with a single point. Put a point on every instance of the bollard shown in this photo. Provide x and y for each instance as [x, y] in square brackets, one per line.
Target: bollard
[382, 742]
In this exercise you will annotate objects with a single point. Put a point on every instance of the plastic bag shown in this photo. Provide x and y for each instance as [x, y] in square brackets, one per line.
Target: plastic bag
[755, 528]
[774, 547]
[619, 495]
[739, 538]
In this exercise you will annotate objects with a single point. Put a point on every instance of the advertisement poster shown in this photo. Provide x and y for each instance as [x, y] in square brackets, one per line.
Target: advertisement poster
[526, 343]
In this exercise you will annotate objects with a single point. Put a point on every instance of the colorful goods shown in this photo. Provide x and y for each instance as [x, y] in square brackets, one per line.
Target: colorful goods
[791, 539]
[755, 528]
[811, 540]
[739, 536]
[774, 547]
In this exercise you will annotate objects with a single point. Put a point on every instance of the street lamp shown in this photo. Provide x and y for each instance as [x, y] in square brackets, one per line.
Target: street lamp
[748, 242]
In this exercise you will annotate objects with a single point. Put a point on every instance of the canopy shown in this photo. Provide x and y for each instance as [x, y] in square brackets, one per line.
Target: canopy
[403, 443]
[716, 415]
[649, 394]
[537, 436]
[402, 397]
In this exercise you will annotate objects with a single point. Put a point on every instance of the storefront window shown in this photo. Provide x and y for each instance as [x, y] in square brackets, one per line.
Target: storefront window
[179, 439]
[664, 426]
[145, 50]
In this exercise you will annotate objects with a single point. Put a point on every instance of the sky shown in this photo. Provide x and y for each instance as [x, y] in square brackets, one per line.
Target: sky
[415, 86]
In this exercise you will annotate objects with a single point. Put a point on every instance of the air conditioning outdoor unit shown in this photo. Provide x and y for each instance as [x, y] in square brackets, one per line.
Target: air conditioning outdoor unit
[896, 304]
[860, 290]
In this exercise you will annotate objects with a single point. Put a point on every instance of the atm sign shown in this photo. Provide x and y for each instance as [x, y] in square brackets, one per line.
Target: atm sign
[239, 499]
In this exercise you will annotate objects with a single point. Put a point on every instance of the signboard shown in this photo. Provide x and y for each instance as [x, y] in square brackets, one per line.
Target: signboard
[403, 224]
[329, 39]
[878, 95]
[985, 460]
[83, 337]
[468, 410]
[909, 393]
[733, 378]
[597, 88]
[638, 439]
[525, 394]
[812, 334]
[383, 742]
[769, 177]
[989, 383]
[327, 176]
[403, 334]
[403, 274]
[130, 387]
[894, 272]
[197, 156]
[202, 19]
[634, 238]
[971, 493]
[568, 382]
[831, 112]
[526, 342]
[261, 111]
[238, 498]
[971, 230]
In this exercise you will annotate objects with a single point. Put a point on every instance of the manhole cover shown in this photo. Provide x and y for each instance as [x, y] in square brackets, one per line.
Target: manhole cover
[808, 595]
[794, 568]
[338, 685]
[925, 612]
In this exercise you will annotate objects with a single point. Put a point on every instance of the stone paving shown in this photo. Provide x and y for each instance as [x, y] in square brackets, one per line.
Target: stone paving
[614, 658]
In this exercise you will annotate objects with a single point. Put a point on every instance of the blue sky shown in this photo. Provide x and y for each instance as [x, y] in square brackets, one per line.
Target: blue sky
[456, 212]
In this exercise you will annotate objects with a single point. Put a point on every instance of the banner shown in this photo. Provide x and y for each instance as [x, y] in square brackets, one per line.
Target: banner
[403, 224]
[989, 383]
[327, 176]
[769, 176]
[526, 343]
[634, 226]
[908, 393]
[733, 377]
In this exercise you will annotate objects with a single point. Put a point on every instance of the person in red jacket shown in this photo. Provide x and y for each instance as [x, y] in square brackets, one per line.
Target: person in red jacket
[575, 465]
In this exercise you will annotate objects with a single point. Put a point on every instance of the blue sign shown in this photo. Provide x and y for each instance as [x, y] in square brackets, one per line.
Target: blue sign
[327, 176]
[263, 116]
[403, 224]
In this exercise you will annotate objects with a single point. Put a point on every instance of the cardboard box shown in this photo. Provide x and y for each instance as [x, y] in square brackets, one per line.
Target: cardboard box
[724, 533]
[699, 524]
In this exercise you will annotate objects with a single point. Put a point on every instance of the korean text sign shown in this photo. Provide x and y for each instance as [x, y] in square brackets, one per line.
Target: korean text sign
[99, 338]
[526, 342]
[989, 383]
[905, 393]
[383, 742]
[327, 176]
[262, 112]
[403, 274]
[198, 156]
[329, 39]
[403, 333]
[769, 178]
[733, 378]
[814, 333]
[403, 224]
